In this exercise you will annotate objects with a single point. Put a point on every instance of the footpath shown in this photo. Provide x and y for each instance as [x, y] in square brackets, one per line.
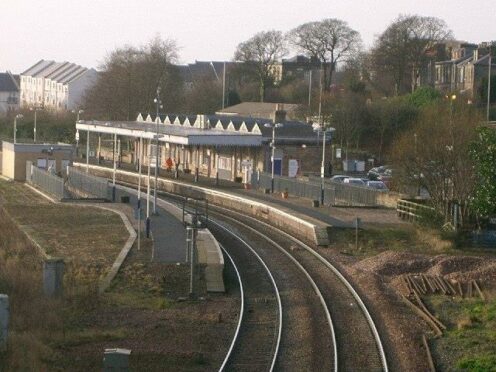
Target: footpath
[168, 233]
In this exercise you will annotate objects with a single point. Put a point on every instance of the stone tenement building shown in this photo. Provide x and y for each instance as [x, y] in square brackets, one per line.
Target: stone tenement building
[463, 71]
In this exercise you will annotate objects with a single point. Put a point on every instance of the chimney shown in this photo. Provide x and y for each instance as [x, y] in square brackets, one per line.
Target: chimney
[202, 122]
[279, 116]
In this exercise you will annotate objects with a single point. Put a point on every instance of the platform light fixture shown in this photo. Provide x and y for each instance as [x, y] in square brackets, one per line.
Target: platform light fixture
[273, 145]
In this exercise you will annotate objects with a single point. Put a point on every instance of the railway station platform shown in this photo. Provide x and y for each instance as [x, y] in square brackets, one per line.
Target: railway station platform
[300, 208]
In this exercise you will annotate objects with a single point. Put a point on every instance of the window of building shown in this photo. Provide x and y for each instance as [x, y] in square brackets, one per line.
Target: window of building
[224, 163]
[41, 163]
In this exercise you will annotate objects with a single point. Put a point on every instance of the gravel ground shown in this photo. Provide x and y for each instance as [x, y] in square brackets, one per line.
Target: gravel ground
[378, 279]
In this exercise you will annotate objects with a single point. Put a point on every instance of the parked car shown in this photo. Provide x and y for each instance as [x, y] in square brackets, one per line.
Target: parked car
[378, 185]
[354, 181]
[339, 178]
[376, 172]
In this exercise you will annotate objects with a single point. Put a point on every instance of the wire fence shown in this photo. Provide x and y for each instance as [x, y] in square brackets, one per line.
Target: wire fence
[334, 193]
[88, 185]
[46, 181]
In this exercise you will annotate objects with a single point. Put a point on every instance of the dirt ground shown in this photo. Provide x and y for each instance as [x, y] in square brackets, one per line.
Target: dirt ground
[378, 278]
[145, 310]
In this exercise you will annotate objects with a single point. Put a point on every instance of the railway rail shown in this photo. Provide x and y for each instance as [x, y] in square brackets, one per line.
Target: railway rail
[307, 334]
[356, 343]
[357, 339]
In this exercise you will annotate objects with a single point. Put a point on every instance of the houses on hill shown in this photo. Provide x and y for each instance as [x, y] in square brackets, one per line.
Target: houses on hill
[456, 66]
[9, 92]
[55, 85]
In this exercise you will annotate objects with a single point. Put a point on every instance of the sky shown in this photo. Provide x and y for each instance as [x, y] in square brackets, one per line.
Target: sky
[85, 32]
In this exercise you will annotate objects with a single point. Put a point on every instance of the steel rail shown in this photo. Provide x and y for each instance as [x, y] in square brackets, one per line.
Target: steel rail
[348, 285]
[279, 303]
[278, 297]
[310, 279]
[241, 313]
[340, 276]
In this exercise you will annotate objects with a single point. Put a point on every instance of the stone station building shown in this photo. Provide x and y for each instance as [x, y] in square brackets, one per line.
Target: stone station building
[228, 147]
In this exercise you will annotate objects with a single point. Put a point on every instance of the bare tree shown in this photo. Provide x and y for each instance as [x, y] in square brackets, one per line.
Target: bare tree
[434, 154]
[129, 78]
[262, 51]
[330, 40]
[403, 48]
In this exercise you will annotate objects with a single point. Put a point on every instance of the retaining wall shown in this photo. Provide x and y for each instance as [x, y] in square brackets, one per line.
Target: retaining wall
[308, 229]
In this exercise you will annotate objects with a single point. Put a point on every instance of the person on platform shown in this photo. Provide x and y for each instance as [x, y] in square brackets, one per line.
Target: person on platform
[329, 168]
[168, 164]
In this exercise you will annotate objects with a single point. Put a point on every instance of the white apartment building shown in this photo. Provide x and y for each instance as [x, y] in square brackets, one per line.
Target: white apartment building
[9, 92]
[55, 85]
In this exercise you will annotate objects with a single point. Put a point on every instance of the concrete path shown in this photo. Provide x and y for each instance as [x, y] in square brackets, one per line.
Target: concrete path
[169, 234]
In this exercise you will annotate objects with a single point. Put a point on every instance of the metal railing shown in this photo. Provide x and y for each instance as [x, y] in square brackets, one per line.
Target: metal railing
[90, 186]
[335, 193]
[46, 181]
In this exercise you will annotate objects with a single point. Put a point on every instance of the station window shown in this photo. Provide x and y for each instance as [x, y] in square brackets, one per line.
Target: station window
[224, 163]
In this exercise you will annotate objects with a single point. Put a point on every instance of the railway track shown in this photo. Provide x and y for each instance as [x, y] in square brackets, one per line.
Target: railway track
[357, 340]
[307, 332]
[355, 345]
[256, 341]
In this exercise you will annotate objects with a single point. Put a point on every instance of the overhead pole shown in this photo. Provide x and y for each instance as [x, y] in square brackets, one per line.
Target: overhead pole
[489, 84]
[224, 86]
[157, 120]
[140, 160]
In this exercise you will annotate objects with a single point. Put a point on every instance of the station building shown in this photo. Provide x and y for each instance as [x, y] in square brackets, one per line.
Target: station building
[228, 147]
[54, 157]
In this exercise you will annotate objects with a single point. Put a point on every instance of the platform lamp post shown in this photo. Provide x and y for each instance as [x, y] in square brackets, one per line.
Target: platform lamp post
[158, 103]
[78, 112]
[324, 131]
[35, 109]
[18, 116]
[273, 145]
[140, 160]
[114, 168]
[147, 221]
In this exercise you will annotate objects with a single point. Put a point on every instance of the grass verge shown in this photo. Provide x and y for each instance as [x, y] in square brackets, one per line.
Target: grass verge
[469, 344]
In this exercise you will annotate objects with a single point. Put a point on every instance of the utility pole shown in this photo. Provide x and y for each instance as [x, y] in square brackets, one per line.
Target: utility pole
[310, 91]
[157, 120]
[115, 168]
[18, 116]
[147, 222]
[489, 84]
[224, 86]
[191, 246]
[140, 160]
[87, 148]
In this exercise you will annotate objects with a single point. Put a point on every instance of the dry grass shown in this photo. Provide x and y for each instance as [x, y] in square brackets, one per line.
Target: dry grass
[32, 315]
[89, 239]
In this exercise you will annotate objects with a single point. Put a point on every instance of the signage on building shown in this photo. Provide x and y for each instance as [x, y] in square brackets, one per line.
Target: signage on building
[293, 167]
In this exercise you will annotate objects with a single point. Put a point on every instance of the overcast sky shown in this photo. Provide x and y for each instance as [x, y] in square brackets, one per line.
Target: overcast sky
[84, 32]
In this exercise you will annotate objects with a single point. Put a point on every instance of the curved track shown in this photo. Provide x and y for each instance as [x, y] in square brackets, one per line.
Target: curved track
[358, 342]
[357, 345]
[256, 346]
[307, 341]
